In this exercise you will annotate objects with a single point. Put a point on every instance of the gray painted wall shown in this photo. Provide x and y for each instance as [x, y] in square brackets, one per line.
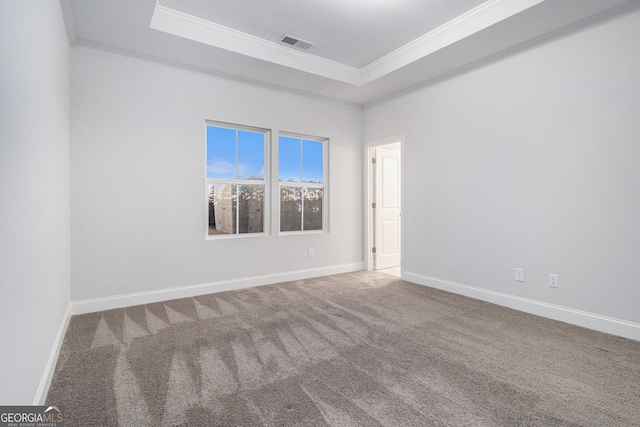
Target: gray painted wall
[532, 161]
[34, 191]
[138, 196]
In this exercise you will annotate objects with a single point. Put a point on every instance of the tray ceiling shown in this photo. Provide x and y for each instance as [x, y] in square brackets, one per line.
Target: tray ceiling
[363, 50]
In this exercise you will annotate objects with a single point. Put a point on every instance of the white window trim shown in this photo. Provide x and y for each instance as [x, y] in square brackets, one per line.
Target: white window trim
[234, 181]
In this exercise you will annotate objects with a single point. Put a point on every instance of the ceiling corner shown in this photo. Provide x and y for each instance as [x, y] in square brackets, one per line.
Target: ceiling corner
[69, 20]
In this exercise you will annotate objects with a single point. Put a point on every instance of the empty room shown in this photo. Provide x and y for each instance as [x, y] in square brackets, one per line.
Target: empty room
[336, 213]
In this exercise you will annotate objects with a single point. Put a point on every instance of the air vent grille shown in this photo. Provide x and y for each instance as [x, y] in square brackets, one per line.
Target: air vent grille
[289, 40]
[296, 42]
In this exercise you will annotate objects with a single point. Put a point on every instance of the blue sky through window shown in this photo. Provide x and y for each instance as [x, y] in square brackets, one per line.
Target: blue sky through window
[300, 166]
[221, 152]
[289, 158]
[227, 160]
[311, 161]
[250, 155]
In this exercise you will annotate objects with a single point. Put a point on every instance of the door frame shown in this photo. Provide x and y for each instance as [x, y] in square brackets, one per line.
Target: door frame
[369, 225]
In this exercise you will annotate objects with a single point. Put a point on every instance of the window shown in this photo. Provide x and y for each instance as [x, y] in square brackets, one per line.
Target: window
[236, 185]
[303, 189]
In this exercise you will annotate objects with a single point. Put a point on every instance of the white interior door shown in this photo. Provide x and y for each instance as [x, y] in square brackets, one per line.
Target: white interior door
[387, 206]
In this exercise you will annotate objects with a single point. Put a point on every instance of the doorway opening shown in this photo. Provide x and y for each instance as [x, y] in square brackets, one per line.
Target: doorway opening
[385, 206]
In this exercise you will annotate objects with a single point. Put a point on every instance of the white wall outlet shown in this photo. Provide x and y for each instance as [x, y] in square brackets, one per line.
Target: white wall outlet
[553, 280]
[519, 274]
[312, 253]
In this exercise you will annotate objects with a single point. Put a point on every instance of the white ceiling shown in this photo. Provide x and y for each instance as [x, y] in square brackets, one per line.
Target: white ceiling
[364, 50]
[351, 32]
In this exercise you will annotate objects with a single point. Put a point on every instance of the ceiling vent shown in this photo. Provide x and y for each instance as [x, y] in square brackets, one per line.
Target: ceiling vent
[296, 42]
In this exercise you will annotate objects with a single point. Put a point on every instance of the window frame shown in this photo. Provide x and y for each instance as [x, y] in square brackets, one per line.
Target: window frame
[266, 182]
[324, 185]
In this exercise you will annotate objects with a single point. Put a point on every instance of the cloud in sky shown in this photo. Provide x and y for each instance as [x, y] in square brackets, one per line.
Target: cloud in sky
[222, 169]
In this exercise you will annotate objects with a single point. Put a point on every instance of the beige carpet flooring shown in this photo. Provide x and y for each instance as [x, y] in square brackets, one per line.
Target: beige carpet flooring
[356, 349]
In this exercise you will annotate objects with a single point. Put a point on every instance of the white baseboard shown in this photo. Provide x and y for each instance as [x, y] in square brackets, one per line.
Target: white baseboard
[45, 382]
[585, 319]
[128, 300]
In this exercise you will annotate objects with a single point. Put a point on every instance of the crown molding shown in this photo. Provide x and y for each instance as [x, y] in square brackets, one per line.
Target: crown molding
[465, 25]
[178, 23]
[184, 25]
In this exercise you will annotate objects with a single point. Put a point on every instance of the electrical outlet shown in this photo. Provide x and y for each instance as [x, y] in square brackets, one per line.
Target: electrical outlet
[553, 280]
[519, 274]
[312, 253]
